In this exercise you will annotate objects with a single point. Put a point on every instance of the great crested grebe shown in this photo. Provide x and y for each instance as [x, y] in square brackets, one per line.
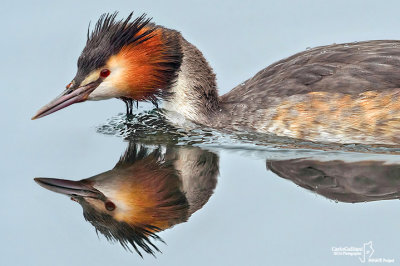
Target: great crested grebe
[344, 93]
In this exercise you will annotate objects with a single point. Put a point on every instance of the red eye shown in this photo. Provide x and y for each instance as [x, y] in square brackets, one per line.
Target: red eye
[109, 206]
[104, 73]
[69, 85]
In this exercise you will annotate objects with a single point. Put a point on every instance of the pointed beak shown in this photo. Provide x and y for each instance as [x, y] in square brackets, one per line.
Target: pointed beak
[69, 188]
[67, 98]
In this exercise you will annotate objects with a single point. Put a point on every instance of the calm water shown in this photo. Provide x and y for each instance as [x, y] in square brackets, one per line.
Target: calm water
[243, 203]
[246, 200]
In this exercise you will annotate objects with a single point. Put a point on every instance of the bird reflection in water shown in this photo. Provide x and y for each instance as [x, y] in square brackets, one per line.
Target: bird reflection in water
[153, 189]
[360, 181]
[146, 192]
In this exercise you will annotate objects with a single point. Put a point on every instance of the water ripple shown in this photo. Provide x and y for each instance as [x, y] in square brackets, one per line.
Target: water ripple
[150, 127]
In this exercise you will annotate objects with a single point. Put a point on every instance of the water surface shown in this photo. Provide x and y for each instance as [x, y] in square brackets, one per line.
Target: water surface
[240, 201]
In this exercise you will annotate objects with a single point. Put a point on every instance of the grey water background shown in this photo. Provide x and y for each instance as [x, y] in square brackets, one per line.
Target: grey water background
[254, 216]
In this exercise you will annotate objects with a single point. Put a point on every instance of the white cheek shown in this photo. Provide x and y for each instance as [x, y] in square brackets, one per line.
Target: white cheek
[111, 192]
[107, 89]
[104, 91]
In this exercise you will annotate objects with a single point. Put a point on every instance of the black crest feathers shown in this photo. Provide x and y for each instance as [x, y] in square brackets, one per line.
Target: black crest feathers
[125, 234]
[108, 37]
[119, 33]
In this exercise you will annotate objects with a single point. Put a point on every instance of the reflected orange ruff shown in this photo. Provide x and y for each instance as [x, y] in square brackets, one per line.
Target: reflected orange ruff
[153, 194]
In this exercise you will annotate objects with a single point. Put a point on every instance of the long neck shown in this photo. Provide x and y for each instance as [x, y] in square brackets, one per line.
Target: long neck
[194, 94]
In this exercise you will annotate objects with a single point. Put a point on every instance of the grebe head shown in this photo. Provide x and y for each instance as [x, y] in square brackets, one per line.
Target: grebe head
[131, 59]
[133, 201]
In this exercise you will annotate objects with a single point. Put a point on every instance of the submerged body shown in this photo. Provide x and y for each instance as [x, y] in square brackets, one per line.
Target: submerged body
[344, 93]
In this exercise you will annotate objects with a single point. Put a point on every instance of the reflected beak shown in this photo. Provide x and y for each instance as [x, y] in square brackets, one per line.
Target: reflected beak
[67, 98]
[69, 188]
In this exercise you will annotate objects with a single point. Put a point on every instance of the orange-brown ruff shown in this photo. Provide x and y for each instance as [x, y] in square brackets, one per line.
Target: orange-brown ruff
[343, 93]
[148, 62]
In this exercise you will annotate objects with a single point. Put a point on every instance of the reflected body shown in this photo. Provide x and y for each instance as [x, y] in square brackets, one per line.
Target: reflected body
[338, 180]
[146, 192]
[342, 93]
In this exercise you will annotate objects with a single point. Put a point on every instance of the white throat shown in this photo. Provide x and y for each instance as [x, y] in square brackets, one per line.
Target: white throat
[194, 86]
[180, 106]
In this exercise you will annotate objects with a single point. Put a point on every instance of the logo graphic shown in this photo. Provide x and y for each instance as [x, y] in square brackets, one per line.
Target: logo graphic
[363, 253]
[367, 252]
